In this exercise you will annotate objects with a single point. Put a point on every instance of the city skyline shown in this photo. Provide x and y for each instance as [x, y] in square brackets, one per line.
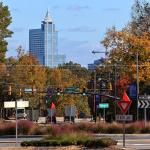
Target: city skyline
[81, 24]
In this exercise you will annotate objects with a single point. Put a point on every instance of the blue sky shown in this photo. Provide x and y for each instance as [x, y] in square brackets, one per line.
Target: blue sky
[81, 24]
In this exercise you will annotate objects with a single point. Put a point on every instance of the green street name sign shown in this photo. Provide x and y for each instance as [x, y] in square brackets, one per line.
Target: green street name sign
[70, 89]
[103, 105]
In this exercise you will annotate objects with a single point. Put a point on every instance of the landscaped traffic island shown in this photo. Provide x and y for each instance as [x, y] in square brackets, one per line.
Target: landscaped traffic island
[78, 139]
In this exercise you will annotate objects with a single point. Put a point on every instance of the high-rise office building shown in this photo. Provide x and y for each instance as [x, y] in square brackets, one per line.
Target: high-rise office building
[43, 43]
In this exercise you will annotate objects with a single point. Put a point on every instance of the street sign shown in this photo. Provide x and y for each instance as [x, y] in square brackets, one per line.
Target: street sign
[144, 97]
[103, 105]
[29, 90]
[124, 117]
[124, 105]
[70, 110]
[144, 104]
[20, 104]
[70, 89]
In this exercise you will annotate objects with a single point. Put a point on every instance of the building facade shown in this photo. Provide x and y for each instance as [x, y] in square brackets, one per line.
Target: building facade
[43, 43]
[96, 63]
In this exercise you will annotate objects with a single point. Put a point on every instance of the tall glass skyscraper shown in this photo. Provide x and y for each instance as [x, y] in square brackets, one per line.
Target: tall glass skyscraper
[43, 43]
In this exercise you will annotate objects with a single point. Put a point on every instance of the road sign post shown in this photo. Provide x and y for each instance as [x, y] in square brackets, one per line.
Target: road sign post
[124, 132]
[104, 106]
[144, 102]
[124, 106]
[124, 117]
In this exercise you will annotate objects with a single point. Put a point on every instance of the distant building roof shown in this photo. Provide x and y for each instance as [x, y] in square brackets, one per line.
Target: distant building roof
[48, 17]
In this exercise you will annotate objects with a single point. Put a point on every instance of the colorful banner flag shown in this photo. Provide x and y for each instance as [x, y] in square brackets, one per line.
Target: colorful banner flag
[125, 97]
[53, 106]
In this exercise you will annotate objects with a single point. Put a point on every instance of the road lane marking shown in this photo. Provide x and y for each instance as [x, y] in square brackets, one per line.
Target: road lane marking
[134, 144]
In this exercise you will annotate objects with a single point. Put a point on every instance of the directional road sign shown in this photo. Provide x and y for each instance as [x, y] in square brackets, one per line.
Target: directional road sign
[103, 105]
[124, 105]
[124, 117]
[144, 104]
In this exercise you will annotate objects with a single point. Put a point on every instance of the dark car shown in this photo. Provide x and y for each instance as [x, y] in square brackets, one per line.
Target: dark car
[50, 119]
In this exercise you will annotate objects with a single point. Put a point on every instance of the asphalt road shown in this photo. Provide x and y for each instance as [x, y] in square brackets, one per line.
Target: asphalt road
[10, 141]
[132, 141]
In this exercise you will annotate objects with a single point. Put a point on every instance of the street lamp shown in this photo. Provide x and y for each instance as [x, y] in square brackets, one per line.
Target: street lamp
[94, 107]
[100, 52]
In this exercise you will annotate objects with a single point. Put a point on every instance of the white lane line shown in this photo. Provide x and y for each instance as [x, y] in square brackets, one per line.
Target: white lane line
[134, 144]
[135, 140]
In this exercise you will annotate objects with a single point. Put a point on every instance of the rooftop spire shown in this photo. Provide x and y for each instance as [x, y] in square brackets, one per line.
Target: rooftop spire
[48, 17]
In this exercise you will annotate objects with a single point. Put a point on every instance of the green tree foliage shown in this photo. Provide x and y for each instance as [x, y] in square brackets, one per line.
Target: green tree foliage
[76, 69]
[5, 20]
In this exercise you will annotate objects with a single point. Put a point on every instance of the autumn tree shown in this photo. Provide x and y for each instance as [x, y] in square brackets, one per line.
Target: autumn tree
[131, 42]
[68, 76]
[27, 73]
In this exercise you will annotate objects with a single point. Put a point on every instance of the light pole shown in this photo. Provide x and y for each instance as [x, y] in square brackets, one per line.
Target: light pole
[95, 107]
[100, 52]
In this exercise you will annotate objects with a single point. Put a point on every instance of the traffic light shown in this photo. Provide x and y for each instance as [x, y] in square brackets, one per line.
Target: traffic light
[9, 90]
[20, 92]
[58, 91]
[102, 85]
[84, 93]
[50, 92]
[97, 99]
[110, 86]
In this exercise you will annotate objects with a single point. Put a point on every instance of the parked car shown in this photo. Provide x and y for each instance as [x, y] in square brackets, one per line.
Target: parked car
[21, 113]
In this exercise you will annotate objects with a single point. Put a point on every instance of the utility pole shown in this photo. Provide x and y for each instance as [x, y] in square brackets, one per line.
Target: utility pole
[94, 107]
[137, 77]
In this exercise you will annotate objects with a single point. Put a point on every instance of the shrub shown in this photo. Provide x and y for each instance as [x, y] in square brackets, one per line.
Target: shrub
[8, 129]
[24, 126]
[145, 130]
[56, 130]
[131, 129]
[35, 130]
[106, 142]
[115, 128]
[72, 139]
[134, 127]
